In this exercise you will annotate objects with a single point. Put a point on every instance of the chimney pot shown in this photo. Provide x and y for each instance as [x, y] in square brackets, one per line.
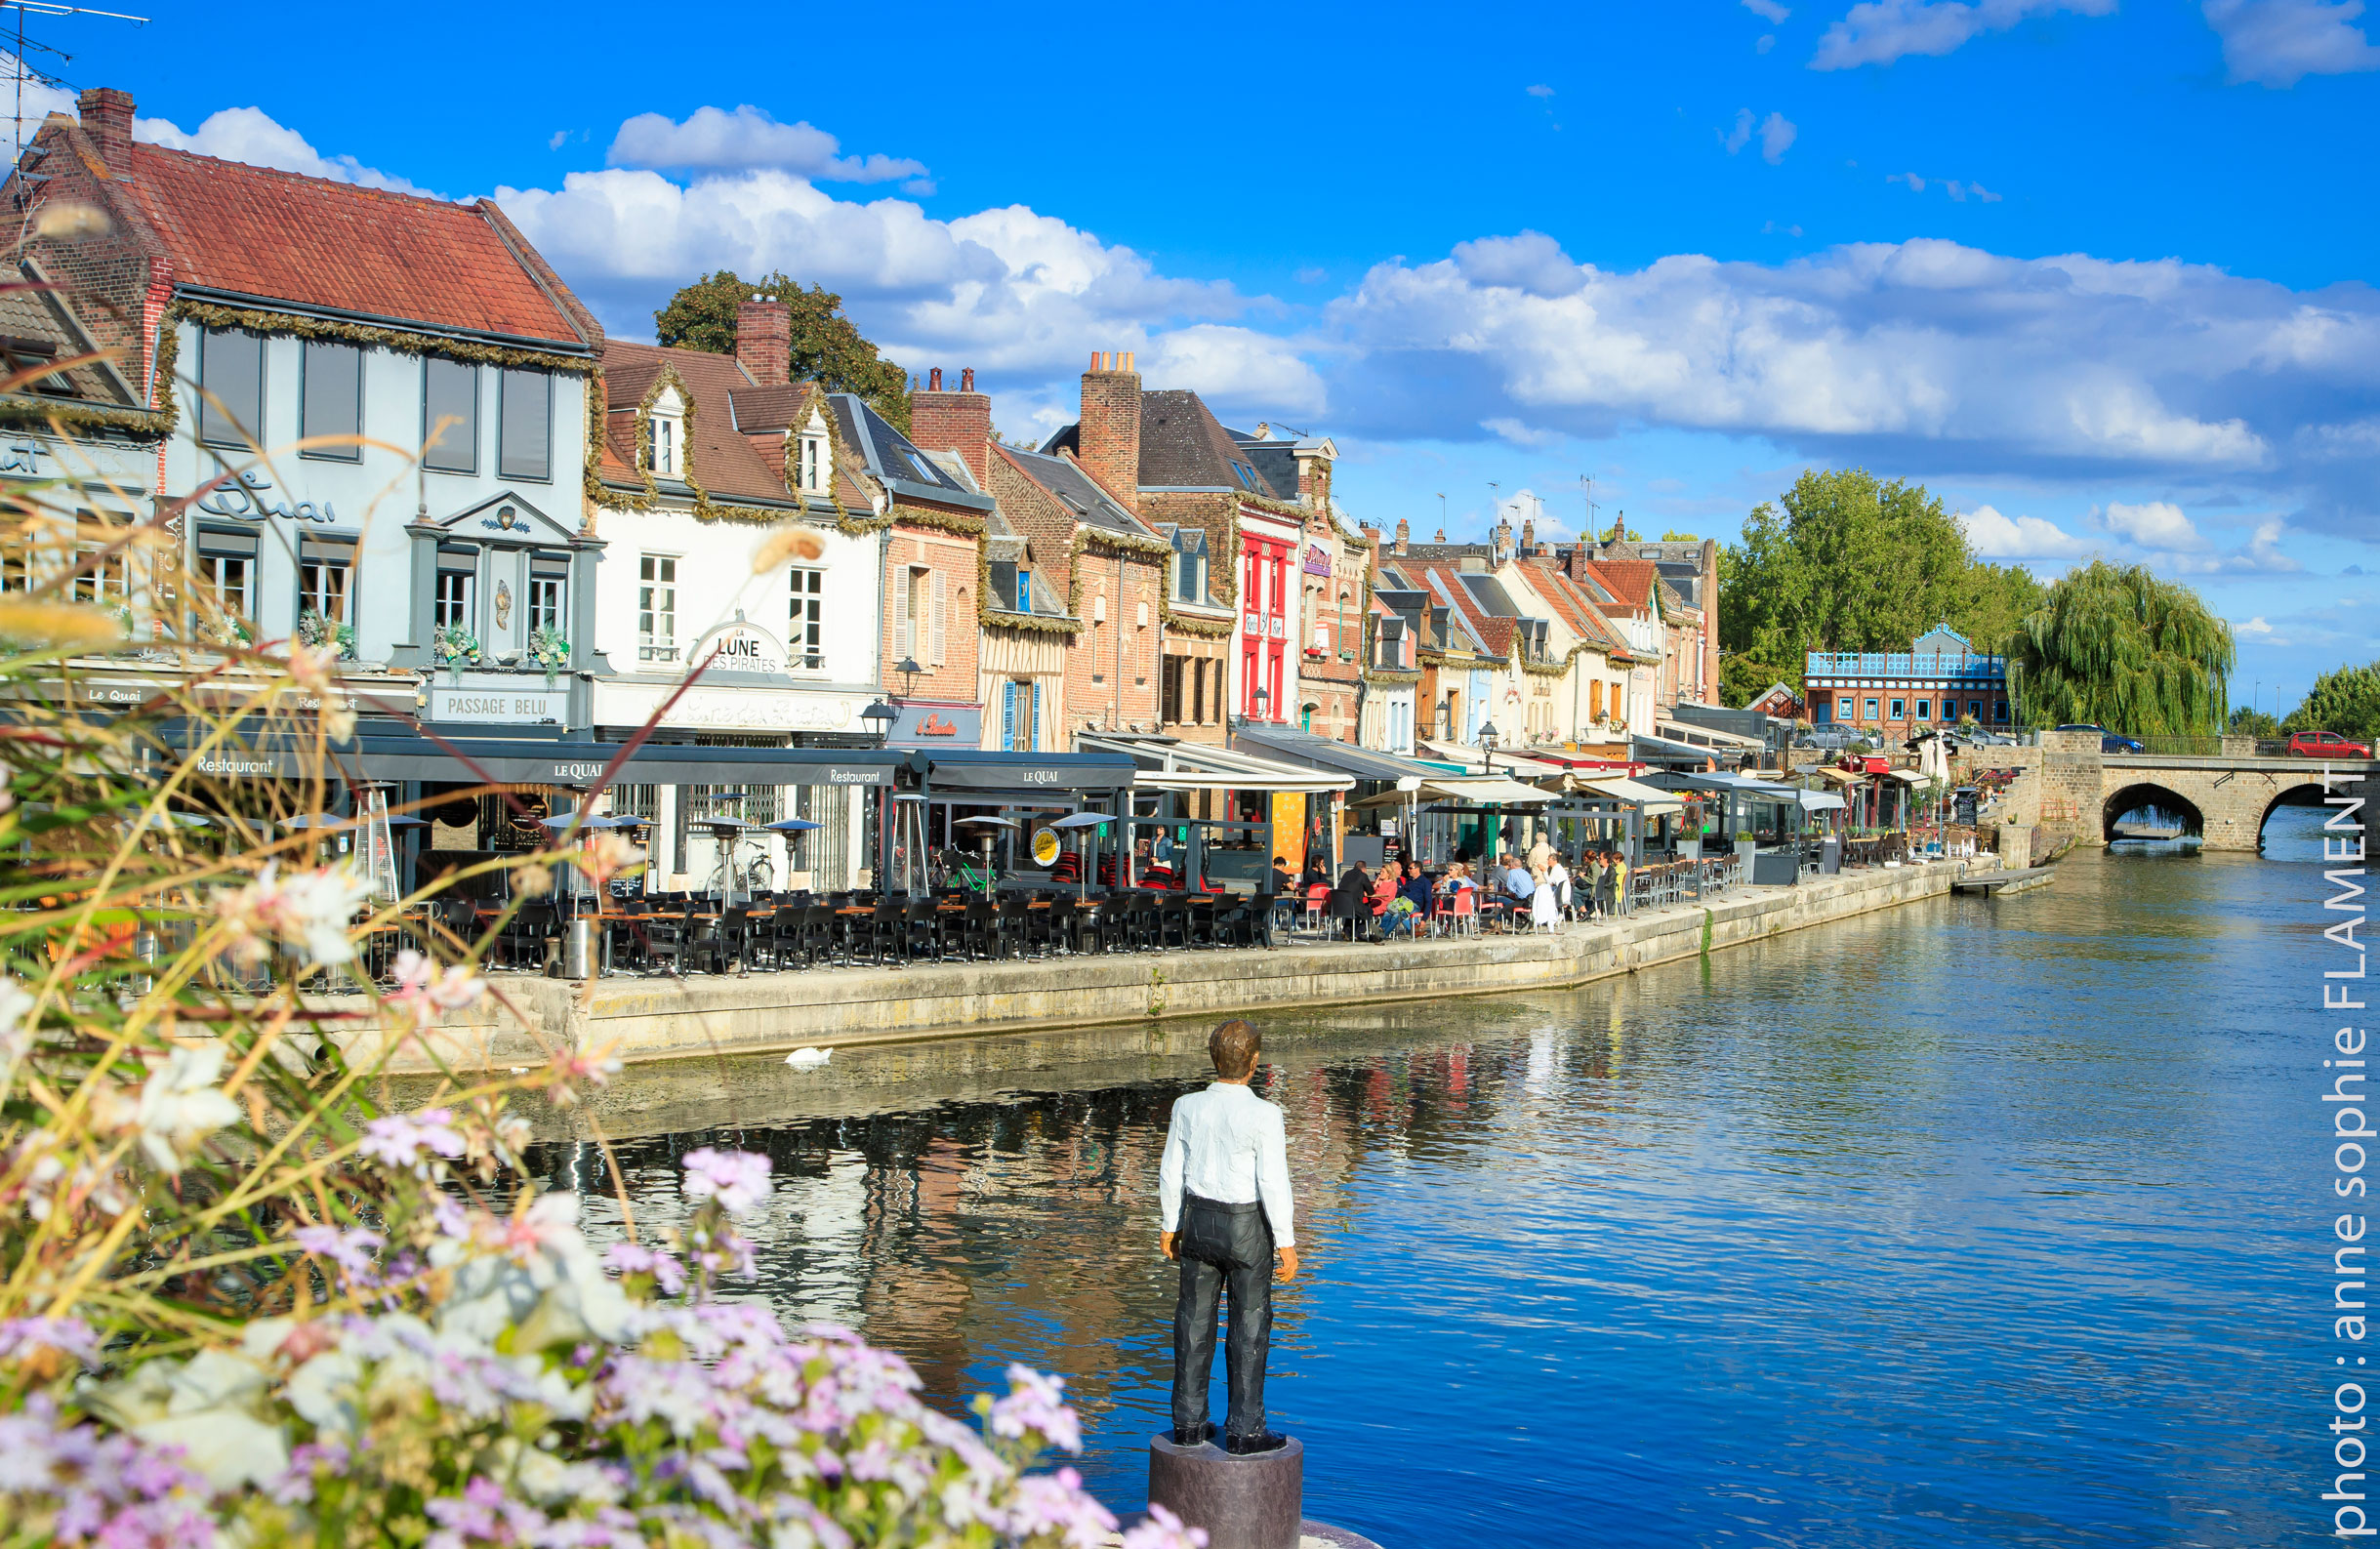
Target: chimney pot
[966, 378]
[961, 422]
[107, 115]
[933, 380]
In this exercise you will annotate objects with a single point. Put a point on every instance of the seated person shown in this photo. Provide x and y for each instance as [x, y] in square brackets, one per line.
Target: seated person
[1385, 891]
[1283, 881]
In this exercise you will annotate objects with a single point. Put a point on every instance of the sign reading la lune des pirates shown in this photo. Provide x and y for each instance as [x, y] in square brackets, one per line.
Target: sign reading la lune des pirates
[739, 647]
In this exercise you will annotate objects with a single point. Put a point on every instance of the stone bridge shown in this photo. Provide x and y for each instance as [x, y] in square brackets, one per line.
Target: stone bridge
[2067, 791]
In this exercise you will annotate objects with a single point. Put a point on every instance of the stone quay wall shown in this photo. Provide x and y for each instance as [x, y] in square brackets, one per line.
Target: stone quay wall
[636, 1019]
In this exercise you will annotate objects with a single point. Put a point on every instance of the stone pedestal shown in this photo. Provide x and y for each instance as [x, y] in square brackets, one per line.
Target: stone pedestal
[1243, 1502]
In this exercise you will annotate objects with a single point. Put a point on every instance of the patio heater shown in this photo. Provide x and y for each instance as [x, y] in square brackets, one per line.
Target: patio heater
[989, 827]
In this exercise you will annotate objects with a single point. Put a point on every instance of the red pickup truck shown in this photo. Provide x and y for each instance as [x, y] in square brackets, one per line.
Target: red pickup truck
[2326, 745]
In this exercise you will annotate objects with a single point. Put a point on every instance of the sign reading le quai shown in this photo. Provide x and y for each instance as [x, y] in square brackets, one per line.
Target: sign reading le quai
[739, 647]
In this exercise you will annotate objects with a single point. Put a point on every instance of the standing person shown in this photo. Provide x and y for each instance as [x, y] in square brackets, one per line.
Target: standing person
[1541, 855]
[1603, 897]
[1558, 875]
[1620, 881]
[1545, 903]
[1224, 1188]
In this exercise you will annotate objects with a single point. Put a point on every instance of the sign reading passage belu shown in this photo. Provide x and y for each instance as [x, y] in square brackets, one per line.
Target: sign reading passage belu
[740, 647]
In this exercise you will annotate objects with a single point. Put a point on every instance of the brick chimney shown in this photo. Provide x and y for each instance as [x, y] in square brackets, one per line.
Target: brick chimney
[1109, 446]
[954, 421]
[1405, 535]
[1529, 535]
[764, 340]
[107, 115]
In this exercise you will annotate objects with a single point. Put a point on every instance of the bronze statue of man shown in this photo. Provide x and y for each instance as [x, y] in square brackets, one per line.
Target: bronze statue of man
[1224, 1186]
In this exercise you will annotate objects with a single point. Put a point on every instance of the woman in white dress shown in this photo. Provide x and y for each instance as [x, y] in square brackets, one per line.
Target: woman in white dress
[1546, 904]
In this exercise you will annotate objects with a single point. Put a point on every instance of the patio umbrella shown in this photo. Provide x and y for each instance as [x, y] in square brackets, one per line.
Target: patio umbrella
[987, 825]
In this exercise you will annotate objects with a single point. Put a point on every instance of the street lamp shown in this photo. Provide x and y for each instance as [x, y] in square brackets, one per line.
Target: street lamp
[1487, 745]
[880, 717]
[909, 671]
[1258, 699]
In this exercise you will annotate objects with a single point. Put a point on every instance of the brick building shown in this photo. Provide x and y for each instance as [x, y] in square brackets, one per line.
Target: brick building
[1893, 695]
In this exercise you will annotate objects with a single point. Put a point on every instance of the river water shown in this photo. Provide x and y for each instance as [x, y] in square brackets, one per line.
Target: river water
[1971, 1223]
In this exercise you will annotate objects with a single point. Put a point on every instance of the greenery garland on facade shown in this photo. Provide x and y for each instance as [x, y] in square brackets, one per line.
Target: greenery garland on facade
[646, 494]
[404, 341]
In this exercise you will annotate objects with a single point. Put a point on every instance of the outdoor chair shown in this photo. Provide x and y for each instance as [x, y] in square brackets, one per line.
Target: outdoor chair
[665, 941]
[1317, 898]
[1173, 923]
[1353, 908]
[524, 936]
[887, 924]
[985, 935]
[921, 936]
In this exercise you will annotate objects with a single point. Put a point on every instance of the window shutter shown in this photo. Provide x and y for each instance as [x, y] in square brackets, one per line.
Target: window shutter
[1033, 727]
[938, 616]
[902, 646]
[1007, 715]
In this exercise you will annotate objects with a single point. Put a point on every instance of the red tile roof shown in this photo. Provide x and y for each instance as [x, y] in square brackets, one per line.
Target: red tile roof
[1548, 578]
[720, 456]
[279, 236]
[1631, 580]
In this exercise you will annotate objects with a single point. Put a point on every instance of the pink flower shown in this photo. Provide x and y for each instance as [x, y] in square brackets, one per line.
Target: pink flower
[1056, 1503]
[423, 989]
[1035, 1403]
[399, 1141]
[1165, 1530]
[70, 1335]
[737, 1179]
[572, 1067]
[633, 1258]
[351, 1249]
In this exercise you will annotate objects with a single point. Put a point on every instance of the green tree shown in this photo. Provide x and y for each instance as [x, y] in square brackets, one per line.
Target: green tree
[828, 347]
[2112, 644]
[2346, 701]
[2247, 721]
[1674, 536]
[1745, 678]
[1843, 561]
[1997, 599]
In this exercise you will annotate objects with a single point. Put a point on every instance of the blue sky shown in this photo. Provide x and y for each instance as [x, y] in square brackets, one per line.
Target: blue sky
[2096, 272]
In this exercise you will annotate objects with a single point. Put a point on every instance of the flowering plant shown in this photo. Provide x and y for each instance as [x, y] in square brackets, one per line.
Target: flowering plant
[249, 1301]
[549, 649]
[455, 646]
[318, 632]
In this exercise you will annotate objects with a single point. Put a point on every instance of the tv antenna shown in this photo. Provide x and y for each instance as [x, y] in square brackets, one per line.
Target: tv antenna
[25, 71]
[1587, 487]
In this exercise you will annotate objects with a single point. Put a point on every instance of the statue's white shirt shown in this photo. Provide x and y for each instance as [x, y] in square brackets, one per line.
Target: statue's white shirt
[1228, 1145]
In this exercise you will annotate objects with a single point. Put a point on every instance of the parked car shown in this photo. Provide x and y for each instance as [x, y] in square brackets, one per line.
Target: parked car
[1988, 739]
[2108, 742]
[2326, 745]
[1828, 739]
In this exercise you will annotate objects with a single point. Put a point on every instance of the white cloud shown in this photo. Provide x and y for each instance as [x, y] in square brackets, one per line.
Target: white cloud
[1775, 134]
[2156, 524]
[1767, 41]
[1881, 32]
[1531, 261]
[713, 140]
[1521, 433]
[250, 135]
[2012, 361]
[1768, 11]
[1998, 537]
[2280, 42]
[1540, 91]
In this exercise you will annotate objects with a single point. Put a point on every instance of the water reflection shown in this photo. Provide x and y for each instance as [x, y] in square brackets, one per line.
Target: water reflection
[1976, 1223]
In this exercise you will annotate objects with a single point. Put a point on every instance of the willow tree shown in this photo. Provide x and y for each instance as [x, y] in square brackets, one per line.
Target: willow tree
[2115, 646]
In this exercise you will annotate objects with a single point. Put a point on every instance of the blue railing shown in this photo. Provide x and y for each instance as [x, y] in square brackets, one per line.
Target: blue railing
[1906, 664]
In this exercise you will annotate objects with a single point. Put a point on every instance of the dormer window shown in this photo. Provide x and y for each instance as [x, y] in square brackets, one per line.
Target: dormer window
[813, 464]
[666, 430]
[665, 434]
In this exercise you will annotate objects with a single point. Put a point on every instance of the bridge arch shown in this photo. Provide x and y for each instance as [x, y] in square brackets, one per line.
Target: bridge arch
[2306, 792]
[2142, 795]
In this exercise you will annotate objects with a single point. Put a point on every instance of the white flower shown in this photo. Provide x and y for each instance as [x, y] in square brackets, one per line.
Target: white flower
[423, 989]
[308, 910]
[15, 1033]
[180, 1106]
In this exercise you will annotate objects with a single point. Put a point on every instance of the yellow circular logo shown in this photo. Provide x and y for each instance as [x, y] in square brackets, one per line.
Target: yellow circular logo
[1045, 847]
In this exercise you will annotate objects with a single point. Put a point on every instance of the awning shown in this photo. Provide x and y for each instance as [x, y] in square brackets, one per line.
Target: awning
[1472, 758]
[1651, 798]
[1304, 747]
[1820, 802]
[1909, 777]
[529, 762]
[1705, 736]
[1477, 790]
[1168, 764]
[1029, 771]
[1837, 777]
[1655, 749]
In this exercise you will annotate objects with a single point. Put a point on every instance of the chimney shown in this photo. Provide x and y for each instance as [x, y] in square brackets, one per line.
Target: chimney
[1109, 440]
[1529, 535]
[764, 341]
[1404, 534]
[954, 421]
[1441, 538]
[107, 115]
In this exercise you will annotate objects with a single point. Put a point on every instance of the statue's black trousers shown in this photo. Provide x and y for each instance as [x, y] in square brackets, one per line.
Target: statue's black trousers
[1219, 1246]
